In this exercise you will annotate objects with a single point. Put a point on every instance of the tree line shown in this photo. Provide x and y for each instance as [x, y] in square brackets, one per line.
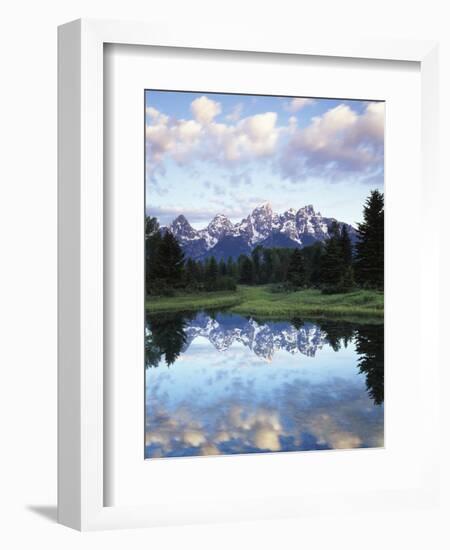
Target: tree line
[336, 265]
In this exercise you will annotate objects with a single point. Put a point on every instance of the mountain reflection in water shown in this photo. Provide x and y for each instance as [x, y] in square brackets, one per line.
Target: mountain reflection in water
[227, 384]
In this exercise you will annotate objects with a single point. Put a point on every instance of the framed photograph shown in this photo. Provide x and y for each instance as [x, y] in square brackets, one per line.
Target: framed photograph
[244, 326]
[264, 322]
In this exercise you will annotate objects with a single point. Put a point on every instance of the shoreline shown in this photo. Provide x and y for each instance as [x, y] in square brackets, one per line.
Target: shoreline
[259, 302]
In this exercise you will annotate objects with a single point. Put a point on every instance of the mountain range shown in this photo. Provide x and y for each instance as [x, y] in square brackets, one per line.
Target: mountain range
[221, 238]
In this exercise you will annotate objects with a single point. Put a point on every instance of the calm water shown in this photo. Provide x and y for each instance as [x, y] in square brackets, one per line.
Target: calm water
[225, 384]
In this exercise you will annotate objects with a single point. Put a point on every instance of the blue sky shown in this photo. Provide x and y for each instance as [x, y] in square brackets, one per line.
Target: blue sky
[227, 153]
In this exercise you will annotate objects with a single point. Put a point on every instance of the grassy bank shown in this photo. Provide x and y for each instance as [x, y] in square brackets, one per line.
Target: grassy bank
[194, 302]
[260, 302]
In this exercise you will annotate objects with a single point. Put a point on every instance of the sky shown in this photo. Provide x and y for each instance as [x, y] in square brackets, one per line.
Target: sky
[209, 154]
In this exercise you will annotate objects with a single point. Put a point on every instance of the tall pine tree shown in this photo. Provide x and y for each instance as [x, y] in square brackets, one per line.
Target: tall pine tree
[169, 262]
[257, 260]
[346, 247]
[296, 273]
[332, 265]
[211, 273]
[152, 243]
[246, 271]
[369, 257]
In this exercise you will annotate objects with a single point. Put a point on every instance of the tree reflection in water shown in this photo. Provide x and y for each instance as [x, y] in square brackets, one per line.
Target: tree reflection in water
[369, 341]
[165, 335]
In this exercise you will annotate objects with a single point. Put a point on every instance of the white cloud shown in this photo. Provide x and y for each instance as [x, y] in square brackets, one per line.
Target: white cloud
[298, 103]
[258, 134]
[339, 142]
[205, 139]
[235, 113]
[166, 136]
[205, 109]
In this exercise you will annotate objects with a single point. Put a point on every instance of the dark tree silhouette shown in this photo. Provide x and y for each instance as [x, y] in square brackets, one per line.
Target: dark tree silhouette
[153, 354]
[246, 271]
[231, 268]
[332, 265]
[257, 261]
[211, 273]
[346, 247]
[151, 226]
[165, 336]
[268, 265]
[370, 348]
[337, 333]
[296, 273]
[152, 242]
[369, 257]
[169, 261]
[222, 268]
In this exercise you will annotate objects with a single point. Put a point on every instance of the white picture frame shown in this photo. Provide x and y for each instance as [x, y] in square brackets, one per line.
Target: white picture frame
[81, 357]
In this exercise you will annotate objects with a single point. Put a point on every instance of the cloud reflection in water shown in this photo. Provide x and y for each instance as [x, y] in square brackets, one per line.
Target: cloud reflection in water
[222, 396]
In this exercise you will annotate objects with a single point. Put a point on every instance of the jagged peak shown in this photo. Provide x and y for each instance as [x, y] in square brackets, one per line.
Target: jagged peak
[308, 209]
[181, 225]
[220, 217]
[264, 206]
[181, 218]
[219, 220]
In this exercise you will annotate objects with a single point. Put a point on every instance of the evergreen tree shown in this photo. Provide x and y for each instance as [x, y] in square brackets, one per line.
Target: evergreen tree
[256, 259]
[152, 242]
[240, 262]
[346, 247]
[169, 261]
[231, 268]
[191, 272]
[347, 282]
[267, 267]
[222, 268]
[200, 268]
[277, 269]
[151, 226]
[313, 257]
[369, 258]
[332, 265]
[296, 271]
[246, 271]
[284, 255]
[211, 273]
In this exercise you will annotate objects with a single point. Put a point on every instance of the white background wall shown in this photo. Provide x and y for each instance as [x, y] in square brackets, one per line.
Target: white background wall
[28, 270]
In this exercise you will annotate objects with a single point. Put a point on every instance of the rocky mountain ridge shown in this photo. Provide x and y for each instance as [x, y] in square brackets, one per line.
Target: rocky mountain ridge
[222, 238]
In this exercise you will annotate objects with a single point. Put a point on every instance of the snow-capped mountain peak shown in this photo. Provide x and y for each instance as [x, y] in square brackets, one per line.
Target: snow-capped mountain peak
[220, 223]
[182, 229]
[221, 238]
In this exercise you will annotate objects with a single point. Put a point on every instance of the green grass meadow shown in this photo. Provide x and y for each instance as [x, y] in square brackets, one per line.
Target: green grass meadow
[262, 302]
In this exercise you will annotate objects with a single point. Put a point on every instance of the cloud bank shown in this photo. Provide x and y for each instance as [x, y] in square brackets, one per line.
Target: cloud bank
[339, 144]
